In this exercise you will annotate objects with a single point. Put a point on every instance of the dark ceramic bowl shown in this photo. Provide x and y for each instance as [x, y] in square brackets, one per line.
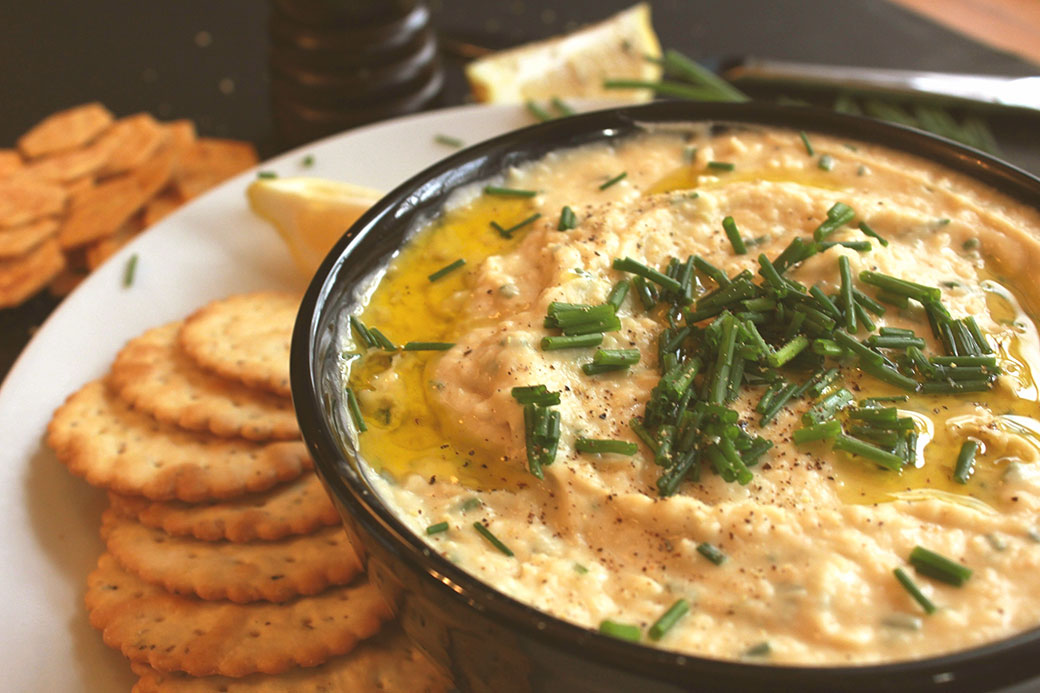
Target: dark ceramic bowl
[491, 642]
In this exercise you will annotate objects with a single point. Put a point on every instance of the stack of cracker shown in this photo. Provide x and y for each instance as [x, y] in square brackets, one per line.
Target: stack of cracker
[82, 183]
[226, 567]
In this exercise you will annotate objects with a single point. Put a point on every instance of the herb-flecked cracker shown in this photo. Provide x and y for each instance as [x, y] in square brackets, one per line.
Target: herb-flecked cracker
[171, 632]
[100, 438]
[386, 663]
[295, 507]
[273, 571]
[153, 375]
[245, 337]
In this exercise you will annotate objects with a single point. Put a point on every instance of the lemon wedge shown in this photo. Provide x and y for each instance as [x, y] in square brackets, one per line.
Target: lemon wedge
[573, 65]
[310, 214]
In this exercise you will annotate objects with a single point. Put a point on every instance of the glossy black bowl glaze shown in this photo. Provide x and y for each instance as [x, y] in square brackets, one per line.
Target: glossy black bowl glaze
[490, 642]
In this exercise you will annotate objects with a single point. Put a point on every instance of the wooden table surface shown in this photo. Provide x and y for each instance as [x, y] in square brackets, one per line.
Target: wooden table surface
[1011, 25]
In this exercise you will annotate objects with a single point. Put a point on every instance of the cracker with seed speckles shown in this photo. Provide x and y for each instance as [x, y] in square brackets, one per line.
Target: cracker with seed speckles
[68, 129]
[273, 571]
[387, 663]
[245, 337]
[171, 632]
[100, 438]
[297, 507]
[153, 375]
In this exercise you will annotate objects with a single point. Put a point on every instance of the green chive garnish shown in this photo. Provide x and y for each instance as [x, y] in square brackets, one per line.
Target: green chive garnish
[914, 591]
[759, 650]
[561, 106]
[449, 141]
[130, 271]
[901, 287]
[629, 265]
[568, 219]
[437, 528]
[428, 346]
[618, 293]
[537, 111]
[355, 411]
[847, 299]
[860, 448]
[711, 553]
[621, 631]
[307, 161]
[619, 177]
[668, 619]
[872, 233]
[837, 216]
[807, 143]
[446, 269]
[940, 567]
[535, 394]
[602, 446]
[820, 431]
[508, 192]
[363, 333]
[381, 339]
[733, 234]
[492, 539]
[826, 162]
[721, 165]
[508, 232]
[554, 342]
[266, 174]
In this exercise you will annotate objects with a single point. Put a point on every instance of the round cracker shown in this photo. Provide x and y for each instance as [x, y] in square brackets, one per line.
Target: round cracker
[100, 438]
[387, 663]
[273, 571]
[245, 337]
[171, 632]
[68, 129]
[153, 375]
[297, 507]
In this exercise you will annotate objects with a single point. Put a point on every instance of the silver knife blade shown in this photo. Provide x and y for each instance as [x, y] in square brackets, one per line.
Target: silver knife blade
[1013, 92]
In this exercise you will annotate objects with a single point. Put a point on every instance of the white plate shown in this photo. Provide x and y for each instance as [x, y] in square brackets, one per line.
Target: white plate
[211, 248]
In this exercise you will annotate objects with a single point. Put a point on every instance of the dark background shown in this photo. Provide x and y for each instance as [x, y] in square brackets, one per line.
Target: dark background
[207, 61]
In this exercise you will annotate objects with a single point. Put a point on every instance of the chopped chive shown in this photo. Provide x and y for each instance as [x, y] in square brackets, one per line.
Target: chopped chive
[307, 161]
[437, 528]
[721, 165]
[266, 174]
[759, 650]
[788, 351]
[492, 539]
[678, 65]
[827, 347]
[837, 216]
[381, 339]
[355, 411]
[130, 270]
[449, 141]
[616, 357]
[535, 394]
[621, 631]
[618, 293]
[976, 333]
[508, 232]
[894, 285]
[825, 162]
[872, 233]
[561, 106]
[914, 591]
[602, 446]
[939, 567]
[827, 407]
[428, 346]
[555, 342]
[961, 361]
[619, 177]
[847, 299]
[965, 461]
[733, 234]
[895, 341]
[711, 270]
[627, 264]
[849, 342]
[889, 375]
[568, 219]
[807, 143]
[362, 331]
[861, 448]
[537, 111]
[668, 619]
[446, 269]
[508, 192]
[471, 503]
[820, 431]
[953, 388]
[711, 553]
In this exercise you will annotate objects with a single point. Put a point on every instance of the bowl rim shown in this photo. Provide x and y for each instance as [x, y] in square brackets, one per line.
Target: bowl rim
[431, 187]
